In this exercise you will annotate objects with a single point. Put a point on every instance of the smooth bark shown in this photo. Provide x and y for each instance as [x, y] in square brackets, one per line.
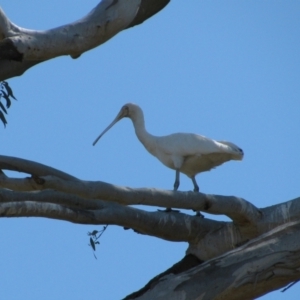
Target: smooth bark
[255, 253]
[21, 49]
[264, 264]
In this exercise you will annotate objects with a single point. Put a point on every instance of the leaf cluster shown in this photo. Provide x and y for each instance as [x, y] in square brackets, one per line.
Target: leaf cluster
[6, 93]
[94, 238]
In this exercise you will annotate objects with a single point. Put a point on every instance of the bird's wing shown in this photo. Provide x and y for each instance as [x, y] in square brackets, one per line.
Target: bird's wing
[186, 144]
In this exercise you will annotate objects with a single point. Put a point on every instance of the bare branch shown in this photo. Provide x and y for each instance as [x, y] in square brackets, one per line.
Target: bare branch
[5, 25]
[51, 196]
[21, 48]
[56, 205]
[264, 264]
[243, 213]
[102, 23]
[10, 68]
[238, 209]
[30, 167]
[9, 51]
[248, 221]
[147, 9]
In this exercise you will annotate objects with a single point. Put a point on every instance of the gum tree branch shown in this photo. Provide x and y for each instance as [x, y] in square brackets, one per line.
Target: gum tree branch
[22, 48]
[248, 221]
[257, 252]
[57, 205]
[239, 210]
[264, 264]
[32, 168]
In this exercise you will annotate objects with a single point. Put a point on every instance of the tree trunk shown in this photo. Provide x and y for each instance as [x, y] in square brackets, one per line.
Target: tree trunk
[264, 264]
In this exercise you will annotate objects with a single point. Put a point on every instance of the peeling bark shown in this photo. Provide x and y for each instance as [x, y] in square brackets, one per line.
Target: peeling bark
[188, 262]
[264, 264]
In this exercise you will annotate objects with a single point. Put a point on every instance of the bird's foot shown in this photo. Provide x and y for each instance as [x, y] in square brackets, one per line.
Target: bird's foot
[169, 210]
[198, 214]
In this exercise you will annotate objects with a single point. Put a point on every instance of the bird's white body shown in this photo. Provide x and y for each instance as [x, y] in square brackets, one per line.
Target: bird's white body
[184, 152]
[190, 153]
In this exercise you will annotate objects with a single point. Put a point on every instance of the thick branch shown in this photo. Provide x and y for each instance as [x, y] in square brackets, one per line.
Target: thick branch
[10, 68]
[9, 51]
[239, 210]
[220, 236]
[30, 167]
[107, 19]
[5, 25]
[248, 221]
[188, 262]
[21, 48]
[262, 265]
[56, 205]
[147, 9]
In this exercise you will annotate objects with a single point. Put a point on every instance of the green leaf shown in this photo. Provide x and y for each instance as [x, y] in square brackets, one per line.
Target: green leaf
[92, 244]
[3, 118]
[3, 108]
[6, 97]
[8, 89]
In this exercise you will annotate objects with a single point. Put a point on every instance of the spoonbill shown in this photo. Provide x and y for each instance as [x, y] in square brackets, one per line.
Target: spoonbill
[185, 153]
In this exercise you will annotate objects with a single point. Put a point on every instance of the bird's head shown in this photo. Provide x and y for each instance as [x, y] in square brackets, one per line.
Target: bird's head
[128, 110]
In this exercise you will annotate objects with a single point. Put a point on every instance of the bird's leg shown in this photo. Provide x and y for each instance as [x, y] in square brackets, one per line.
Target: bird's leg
[169, 209]
[196, 187]
[196, 190]
[176, 185]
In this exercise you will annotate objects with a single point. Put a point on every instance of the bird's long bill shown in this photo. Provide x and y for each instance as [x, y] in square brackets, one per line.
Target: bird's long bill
[118, 118]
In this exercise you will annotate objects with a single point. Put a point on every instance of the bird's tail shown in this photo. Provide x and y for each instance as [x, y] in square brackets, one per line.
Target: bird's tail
[237, 152]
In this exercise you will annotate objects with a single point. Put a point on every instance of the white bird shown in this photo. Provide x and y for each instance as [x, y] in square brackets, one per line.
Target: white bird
[187, 153]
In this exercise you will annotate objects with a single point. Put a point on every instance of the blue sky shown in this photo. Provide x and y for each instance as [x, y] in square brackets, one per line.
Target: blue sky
[228, 70]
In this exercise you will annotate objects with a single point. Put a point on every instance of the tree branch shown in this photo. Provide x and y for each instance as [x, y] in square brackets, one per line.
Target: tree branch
[10, 68]
[30, 167]
[264, 264]
[56, 205]
[5, 25]
[107, 19]
[147, 9]
[22, 48]
[239, 210]
[98, 197]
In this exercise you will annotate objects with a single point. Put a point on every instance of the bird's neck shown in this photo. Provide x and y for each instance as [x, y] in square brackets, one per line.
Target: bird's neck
[145, 137]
